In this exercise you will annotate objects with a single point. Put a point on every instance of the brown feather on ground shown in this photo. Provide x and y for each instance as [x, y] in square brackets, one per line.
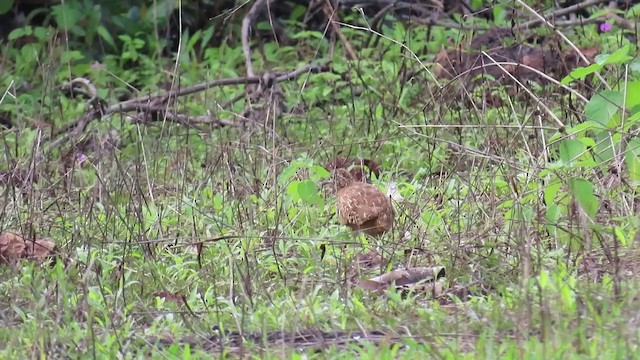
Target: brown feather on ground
[361, 206]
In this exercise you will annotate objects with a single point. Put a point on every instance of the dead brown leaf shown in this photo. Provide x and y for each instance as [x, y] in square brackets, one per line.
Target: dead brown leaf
[14, 247]
[40, 249]
[11, 247]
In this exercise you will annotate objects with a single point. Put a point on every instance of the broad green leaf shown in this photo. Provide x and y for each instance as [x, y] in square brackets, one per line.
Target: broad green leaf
[527, 213]
[586, 126]
[633, 146]
[557, 136]
[633, 167]
[618, 57]
[297, 12]
[307, 189]
[292, 189]
[603, 106]
[19, 32]
[193, 39]
[105, 35]
[5, 6]
[308, 192]
[289, 171]
[307, 34]
[632, 159]
[66, 15]
[41, 33]
[580, 73]
[543, 279]
[320, 172]
[500, 14]
[587, 141]
[206, 36]
[621, 236]
[550, 192]
[552, 216]
[582, 190]
[570, 150]
[604, 147]
[633, 93]
[631, 121]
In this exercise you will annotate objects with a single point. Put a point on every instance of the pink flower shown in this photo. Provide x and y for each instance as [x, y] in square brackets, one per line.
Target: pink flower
[604, 27]
[80, 158]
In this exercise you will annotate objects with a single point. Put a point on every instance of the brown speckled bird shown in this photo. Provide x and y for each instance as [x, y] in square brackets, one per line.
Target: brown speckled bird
[361, 206]
[360, 169]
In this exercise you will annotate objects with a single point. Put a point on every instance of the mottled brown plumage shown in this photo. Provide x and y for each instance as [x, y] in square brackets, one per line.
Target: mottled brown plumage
[361, 206]
[360, 169]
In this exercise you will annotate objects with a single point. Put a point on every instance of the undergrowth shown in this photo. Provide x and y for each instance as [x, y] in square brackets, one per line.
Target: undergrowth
[189, 240]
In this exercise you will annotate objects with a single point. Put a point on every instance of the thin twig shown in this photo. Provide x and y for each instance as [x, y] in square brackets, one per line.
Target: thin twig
[564, 11]
[551, 113]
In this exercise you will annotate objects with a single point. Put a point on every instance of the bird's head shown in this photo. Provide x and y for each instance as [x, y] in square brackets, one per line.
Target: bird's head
[341, 178]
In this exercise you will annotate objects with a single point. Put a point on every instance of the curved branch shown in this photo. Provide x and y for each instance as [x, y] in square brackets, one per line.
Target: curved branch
[246, 24]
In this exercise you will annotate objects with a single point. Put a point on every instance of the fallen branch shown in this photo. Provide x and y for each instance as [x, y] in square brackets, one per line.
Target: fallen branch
[96, 108]
[249, 19]
[330, 13]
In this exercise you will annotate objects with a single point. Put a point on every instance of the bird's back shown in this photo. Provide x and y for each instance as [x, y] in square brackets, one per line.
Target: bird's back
[364, 207]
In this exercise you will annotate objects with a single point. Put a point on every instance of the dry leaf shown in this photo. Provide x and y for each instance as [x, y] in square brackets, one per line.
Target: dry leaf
[404, 278]
[39, 249]
[11, 247]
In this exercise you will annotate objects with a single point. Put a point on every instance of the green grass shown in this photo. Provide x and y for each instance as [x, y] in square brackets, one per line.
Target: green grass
[189, 242]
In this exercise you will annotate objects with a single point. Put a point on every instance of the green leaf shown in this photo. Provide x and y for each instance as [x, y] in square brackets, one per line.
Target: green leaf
[584, 127]
[618, 57]
[105, 35]
[582, 190]
[307, 34]
[264, 26]
[587, 141]
[206, 37]
[604, 148]
[621, 236]
[289, 171]
[550, 192]
[632, 159]
[580, 73]
[320, 172]
[603, 106]
[632, 120]
[18, 33]
[543, 279]
[633, 93]
[571, 150]
[308, 191]
[41, 33]
[66, 15]
[5, 6]
[500, 14]
[297, 12]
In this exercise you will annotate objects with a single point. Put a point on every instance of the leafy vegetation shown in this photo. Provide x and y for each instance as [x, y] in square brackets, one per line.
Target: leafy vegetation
[188, 239]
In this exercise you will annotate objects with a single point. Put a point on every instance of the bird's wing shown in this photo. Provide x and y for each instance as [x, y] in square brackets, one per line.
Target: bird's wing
[359, 204]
